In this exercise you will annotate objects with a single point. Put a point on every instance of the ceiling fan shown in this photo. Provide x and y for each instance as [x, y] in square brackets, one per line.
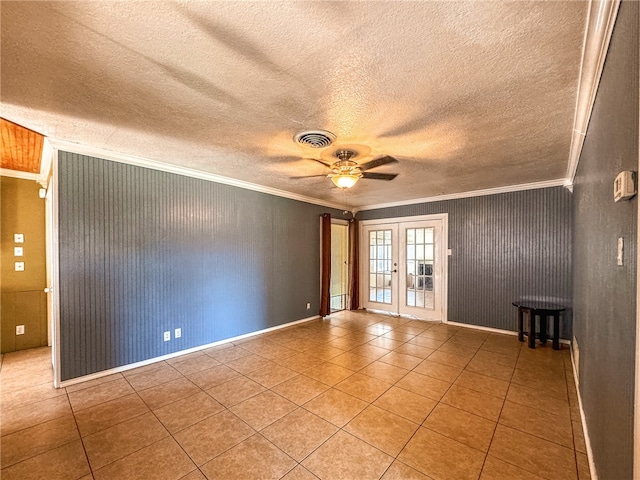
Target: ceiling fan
[345, 172]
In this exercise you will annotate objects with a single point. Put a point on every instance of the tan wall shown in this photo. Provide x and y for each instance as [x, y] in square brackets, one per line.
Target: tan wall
[23, 301]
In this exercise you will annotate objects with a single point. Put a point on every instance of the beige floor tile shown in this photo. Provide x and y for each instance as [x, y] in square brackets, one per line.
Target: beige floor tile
[495, 469]
[107, 414]
[163, 373]
[363, 387]
[227, 352]
[401, 360]
[584, 472]
[164, 460]
[478, 403]
[335, 406]
[195, 364]
[249, 363]
[382, 429]
[400, 471]
[508, 360]
[166, 393]
[386, 343]
[300, 362]
[440, 371]
[212, 436]
[370, 351]
[19, 418]
[483, 383]
[35, 440]
[351, 361]
[300, 389]
[533, 454]
[299, 433]
[464, 427]
[344, 456]
[384, 371]
[438, 456]
[301, 344]
[299, 473]
[399, 336]
[263, 409]
[235, 391]
[94, 382]
[99, 394]
[474, 341]
[578, 437]
[26, 396]
[213, 376]
[415, 350]
[490, 369]
[545, 425]
[255, 458]
[325, 352]
[272, 375]
[113, 443]
[448, 358]
[194, 475]
[62, 463]
[329, 374]
[551, 384]
[426, 342]
[188, 411]
[423, 385]
[407, 404]
[539, 399]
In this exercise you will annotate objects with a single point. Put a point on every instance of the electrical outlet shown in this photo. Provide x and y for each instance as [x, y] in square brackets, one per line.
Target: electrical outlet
[19, 266]
[18, 237]
[19, 329]
[177, 333]
[18, 251]
[167, 336]
[308, 306]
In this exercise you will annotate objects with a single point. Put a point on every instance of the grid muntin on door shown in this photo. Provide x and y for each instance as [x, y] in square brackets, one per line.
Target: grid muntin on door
[380, 261]
[420, 267]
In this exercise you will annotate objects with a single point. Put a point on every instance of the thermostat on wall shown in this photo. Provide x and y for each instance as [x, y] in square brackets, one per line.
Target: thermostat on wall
[624, 186]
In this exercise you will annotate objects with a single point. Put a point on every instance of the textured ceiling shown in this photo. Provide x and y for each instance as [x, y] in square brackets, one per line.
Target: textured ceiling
[467, 95]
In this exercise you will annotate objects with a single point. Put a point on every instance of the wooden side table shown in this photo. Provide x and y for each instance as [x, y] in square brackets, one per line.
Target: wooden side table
[544, 310]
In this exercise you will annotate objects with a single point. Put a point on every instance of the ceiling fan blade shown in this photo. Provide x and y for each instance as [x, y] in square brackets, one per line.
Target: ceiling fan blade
[308, 176]
[379, 176]
[319, 161]
[377, 162]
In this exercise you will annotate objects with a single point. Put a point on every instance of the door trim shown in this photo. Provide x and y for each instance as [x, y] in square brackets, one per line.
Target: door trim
[444, 217]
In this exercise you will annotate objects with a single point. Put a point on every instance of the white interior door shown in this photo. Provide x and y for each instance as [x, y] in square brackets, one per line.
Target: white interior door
[381, 267]
[405, 267]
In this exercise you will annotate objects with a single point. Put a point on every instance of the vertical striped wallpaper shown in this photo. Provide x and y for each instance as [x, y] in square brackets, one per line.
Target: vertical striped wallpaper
[504, 247]
[144, 251]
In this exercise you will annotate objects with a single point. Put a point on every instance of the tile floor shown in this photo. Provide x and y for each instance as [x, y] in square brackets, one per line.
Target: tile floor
[355, 396]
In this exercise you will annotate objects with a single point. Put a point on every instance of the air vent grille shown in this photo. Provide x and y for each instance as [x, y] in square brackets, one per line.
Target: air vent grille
[315, 138]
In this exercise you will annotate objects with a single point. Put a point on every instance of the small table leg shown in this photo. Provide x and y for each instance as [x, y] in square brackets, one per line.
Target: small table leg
[532, 328]
[520, 325]
[543, 328]
[556, 331]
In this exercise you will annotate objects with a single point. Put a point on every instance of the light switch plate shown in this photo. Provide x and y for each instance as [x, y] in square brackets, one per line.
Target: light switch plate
[177, 333]
[19, 329]
[18, 251]
[18, 237]
[19, 266]
[167, 336]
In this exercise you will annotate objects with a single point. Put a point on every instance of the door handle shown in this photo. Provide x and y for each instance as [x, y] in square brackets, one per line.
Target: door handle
[394, 271]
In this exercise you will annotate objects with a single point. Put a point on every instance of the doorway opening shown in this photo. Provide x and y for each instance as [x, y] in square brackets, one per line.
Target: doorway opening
[339, 291]
[404, 266]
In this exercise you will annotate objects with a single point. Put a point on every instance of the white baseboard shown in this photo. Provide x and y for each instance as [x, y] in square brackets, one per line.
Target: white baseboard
[131, 366]
[587, 441]
[495, 330]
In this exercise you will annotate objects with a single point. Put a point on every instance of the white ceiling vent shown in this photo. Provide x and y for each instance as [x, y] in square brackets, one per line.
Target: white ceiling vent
[314, 138]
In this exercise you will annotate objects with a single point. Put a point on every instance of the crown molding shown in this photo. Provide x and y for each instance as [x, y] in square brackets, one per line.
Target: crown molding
[601, 18]
[187, 172]
[561, 182]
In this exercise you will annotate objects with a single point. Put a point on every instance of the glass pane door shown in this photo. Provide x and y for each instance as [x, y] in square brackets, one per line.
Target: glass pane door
[420, 264]
[381, 267]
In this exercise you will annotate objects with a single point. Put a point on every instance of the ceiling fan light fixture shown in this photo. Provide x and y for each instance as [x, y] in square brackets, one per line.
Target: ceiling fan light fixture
[345, 180]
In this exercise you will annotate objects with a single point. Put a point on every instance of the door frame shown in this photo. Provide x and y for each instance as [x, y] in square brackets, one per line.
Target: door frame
[364, 252]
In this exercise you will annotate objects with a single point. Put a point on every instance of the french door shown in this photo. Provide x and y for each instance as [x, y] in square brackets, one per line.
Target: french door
[404, 267]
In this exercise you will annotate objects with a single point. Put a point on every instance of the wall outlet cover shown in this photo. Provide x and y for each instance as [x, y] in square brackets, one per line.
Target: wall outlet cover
[18, 237]
[19, 329]
[177, 333]
[18, 251]
[19, 266]
[167, 336]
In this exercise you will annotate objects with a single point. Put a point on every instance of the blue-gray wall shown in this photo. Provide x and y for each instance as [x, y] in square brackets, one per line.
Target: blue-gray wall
[505, 247]
[144, 251]
[604, 293]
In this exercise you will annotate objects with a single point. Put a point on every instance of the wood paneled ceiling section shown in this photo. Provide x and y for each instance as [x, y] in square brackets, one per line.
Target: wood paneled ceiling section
[467, 95]
[21, 147]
